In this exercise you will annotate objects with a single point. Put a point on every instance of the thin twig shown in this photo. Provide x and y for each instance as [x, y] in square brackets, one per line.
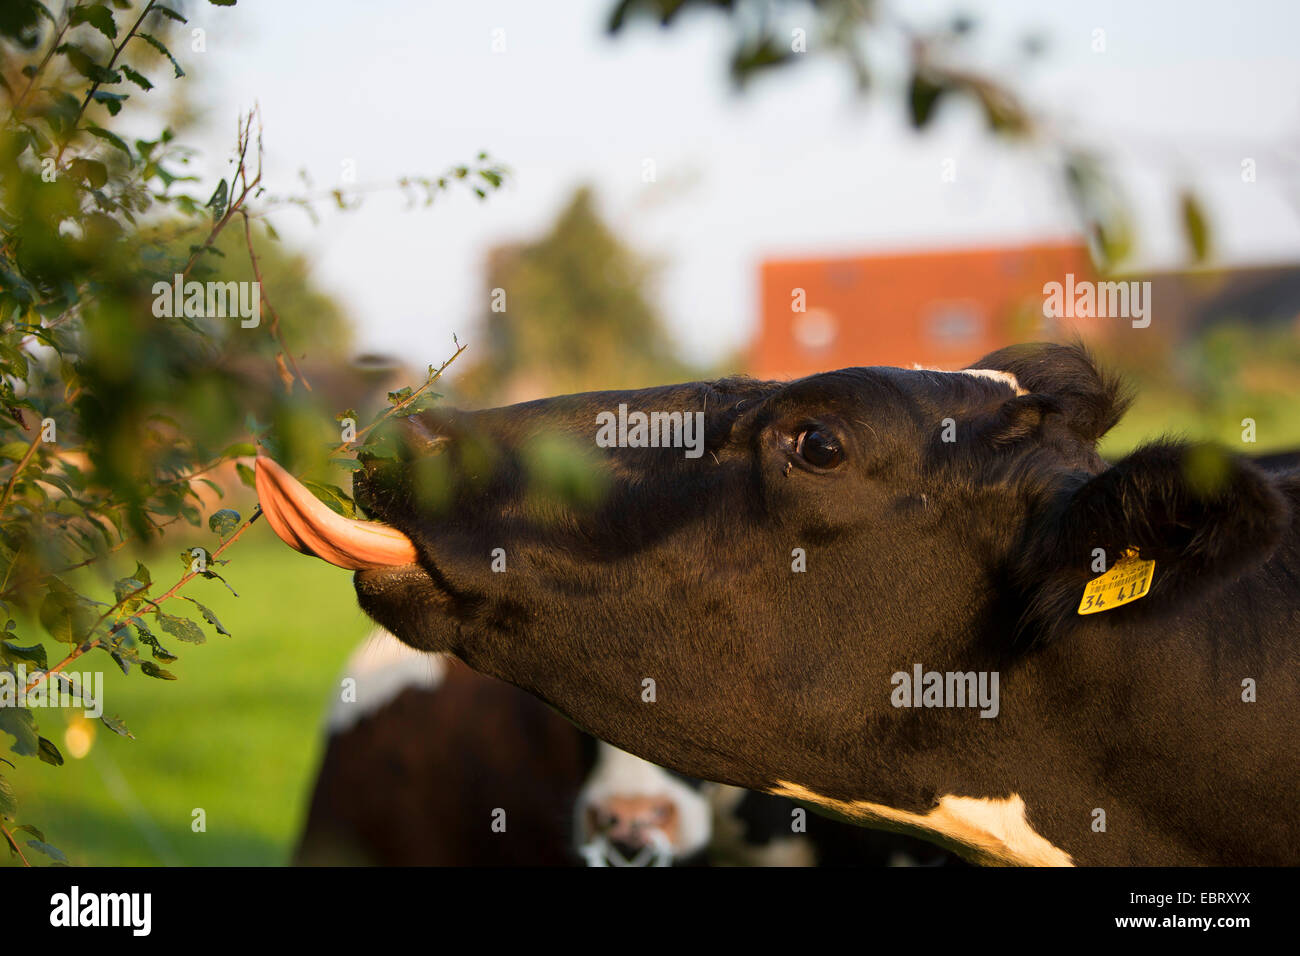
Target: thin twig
[9, 485]
[40, 68]
[234, 203]
[394, 409]
[274, 327]
[14, 843]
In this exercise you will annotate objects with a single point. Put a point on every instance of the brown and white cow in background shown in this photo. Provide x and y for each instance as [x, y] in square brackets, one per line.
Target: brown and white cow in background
[424, 755]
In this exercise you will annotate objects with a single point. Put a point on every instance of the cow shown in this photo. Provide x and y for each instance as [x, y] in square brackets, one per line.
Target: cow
[494, 777]
[1278, 460]
[497, 778]
[423, 766]
[787, 610]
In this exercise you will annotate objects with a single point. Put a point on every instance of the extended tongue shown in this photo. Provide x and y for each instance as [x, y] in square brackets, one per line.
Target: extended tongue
[306, 524]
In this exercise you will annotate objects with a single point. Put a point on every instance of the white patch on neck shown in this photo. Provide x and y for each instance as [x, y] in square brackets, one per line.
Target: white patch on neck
[993, 375]
[619, 773]
[382, 667]
[990, 831]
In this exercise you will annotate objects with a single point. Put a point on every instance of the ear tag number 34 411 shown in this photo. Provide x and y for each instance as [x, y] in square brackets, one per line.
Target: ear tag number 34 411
[1127, 581]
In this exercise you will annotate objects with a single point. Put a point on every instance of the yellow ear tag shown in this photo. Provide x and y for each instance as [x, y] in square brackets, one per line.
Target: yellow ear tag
[1127, 581]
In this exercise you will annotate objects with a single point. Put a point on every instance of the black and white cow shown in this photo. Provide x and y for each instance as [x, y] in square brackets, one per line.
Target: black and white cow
[948, 524]
[495, 777]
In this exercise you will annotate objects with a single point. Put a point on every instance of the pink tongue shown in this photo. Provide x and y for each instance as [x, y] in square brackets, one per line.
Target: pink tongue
[305, 524]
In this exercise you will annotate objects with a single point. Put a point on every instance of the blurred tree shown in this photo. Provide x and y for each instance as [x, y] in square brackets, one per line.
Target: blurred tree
[569, 312]
[771, 35]
[309, 317]
[114, 408]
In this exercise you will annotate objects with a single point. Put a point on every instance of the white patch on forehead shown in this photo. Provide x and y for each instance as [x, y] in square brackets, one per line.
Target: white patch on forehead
[382, 667]
[993, 375]
[620, 774]
[991, 831]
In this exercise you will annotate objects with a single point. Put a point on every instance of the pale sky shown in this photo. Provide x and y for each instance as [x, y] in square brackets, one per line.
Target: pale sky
[1183, 92]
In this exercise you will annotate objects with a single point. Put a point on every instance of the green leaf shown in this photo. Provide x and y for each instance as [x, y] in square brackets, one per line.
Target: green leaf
[218, 201]
[28, 828]
[56, 614]
[334, 497]
[142, 574]
[1195, 226]
[170, 13]
[53, 852]
[223, 522]
[50, 753]
[33, 655]
[115, 724]
[209, 617]
[146, 637]
[98, 16]
[181, 628]
[150, 669]
[246, 474]
[222, 3]
[18, 723]
[84, 64]
[113, 101]
[90, 171]
[139, 79]
[923, 96]
[8, 805]
[125, 588]
[158, 45]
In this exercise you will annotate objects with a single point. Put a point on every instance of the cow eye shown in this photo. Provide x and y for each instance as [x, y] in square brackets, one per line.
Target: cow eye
[820, 449]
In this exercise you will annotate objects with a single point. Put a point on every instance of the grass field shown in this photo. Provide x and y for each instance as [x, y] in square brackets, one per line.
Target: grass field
[238, 734]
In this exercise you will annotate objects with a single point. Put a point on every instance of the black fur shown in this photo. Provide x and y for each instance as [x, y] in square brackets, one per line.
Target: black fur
[966, 555]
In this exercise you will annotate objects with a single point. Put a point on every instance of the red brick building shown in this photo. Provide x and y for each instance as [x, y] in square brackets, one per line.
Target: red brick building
[944, 309]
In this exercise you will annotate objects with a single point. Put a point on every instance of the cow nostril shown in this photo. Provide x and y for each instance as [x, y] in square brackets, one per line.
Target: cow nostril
[627, 849]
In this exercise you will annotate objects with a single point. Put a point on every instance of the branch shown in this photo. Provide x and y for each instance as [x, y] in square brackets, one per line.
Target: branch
[14, 843]
[393, 410]
[171, 592]
[274, 327]
[40, 68]
[9, 486]
[235, 203]
[76, 121]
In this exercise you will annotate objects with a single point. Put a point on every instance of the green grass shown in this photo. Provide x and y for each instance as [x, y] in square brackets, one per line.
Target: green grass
[238, 734]
[1165, 412]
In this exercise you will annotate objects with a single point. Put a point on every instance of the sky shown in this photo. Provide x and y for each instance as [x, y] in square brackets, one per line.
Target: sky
[797, 166]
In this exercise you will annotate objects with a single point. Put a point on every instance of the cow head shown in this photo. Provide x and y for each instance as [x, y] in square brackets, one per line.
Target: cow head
[734, 609]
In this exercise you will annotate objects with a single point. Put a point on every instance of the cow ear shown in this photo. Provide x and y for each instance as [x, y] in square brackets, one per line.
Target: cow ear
[1089, 402]
[1203, 516]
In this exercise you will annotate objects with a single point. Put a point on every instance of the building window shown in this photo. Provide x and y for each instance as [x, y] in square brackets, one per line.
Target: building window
[955, 325]
[815, 330]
